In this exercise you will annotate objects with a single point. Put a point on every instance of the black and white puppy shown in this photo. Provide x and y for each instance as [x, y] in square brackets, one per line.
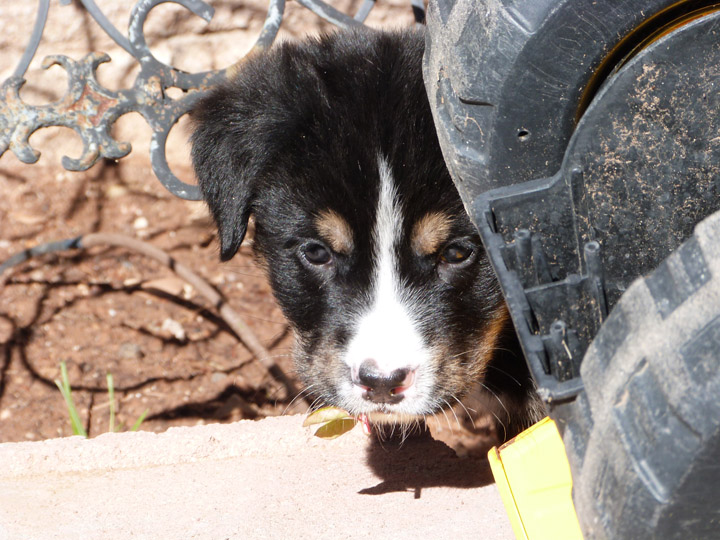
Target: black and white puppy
[330, 145]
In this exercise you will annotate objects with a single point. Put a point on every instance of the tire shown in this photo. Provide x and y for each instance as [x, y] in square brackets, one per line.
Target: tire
[507, 80]
[507, 83]
[644, 439]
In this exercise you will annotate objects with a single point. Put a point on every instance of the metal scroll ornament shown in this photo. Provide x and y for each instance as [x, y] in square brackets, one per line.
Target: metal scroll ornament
[91, 110]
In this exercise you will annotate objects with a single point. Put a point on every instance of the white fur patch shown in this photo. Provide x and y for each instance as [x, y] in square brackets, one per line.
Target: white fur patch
[387, 333]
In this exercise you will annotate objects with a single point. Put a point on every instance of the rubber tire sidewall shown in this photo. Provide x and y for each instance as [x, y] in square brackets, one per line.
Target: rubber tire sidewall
[505, 80]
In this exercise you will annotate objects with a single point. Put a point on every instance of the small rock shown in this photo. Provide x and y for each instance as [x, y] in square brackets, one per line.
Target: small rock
[174, 328]
[130, 351]
[188, 291]
[115, 191]
[217, 378]
[140, 223]
[5, 414]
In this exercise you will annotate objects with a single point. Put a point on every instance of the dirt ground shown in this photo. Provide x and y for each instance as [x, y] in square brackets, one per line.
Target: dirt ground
[109, 310]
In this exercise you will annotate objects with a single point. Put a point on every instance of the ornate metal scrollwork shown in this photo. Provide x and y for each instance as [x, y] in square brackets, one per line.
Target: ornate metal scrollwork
[91, 110]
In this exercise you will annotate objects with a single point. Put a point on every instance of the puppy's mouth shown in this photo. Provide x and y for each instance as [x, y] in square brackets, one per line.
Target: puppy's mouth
[382, 397]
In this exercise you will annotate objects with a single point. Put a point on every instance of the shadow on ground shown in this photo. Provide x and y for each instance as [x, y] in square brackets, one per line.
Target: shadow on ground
[422, 462]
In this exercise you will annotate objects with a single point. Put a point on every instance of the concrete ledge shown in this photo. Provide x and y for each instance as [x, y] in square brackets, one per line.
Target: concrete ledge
[268, 479]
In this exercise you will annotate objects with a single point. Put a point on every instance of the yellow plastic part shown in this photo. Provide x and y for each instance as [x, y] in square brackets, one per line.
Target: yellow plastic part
[533, 476]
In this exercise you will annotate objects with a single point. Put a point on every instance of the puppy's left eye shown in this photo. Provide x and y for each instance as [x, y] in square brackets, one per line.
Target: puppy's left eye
[456, 253]
[317, 254]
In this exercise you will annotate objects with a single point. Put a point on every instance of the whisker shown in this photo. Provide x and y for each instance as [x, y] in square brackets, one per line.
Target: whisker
[305, 391]
[401, 429]
[501, 423]
[312, 406]
[472, 421]
[486, 387]
[495, 415]
[457, 421]
[447, 420]
[276, 356]
[435, 416]
[463, 353]
[504, 373]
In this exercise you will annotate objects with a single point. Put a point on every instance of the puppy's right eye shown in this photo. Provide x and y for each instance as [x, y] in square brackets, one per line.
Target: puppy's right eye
[317, 254]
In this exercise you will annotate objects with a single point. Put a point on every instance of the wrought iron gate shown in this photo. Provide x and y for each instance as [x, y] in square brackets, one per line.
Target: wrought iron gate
[91, 109]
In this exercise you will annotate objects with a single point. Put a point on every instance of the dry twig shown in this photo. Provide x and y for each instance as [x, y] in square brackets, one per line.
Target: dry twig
[233, 320]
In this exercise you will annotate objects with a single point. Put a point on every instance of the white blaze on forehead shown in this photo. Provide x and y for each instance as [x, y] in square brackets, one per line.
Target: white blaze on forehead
[386, 333]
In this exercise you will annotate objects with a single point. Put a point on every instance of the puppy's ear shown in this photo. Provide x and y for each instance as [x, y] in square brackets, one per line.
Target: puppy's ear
[227, 172]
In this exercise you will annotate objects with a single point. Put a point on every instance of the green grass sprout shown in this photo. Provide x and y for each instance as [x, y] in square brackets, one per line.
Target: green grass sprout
[112, 428]
[65, 390]
[140, 420]
[77, 426]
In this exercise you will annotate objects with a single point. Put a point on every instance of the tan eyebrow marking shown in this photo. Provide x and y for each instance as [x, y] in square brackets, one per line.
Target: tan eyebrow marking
[430, 232]
[335, 231]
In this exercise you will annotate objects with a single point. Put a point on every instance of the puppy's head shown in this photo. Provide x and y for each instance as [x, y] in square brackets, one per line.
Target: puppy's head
[330, 145]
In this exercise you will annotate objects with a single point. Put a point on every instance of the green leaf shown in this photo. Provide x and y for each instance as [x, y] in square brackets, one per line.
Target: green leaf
[326, 414]
[335, 428]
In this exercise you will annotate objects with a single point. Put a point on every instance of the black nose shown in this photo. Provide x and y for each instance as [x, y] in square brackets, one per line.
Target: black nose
[382, 387]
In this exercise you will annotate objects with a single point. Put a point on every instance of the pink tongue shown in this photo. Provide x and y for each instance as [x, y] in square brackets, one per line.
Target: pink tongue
[365, 422]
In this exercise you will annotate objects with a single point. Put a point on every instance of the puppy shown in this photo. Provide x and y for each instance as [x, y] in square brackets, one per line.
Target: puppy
[330, 145]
